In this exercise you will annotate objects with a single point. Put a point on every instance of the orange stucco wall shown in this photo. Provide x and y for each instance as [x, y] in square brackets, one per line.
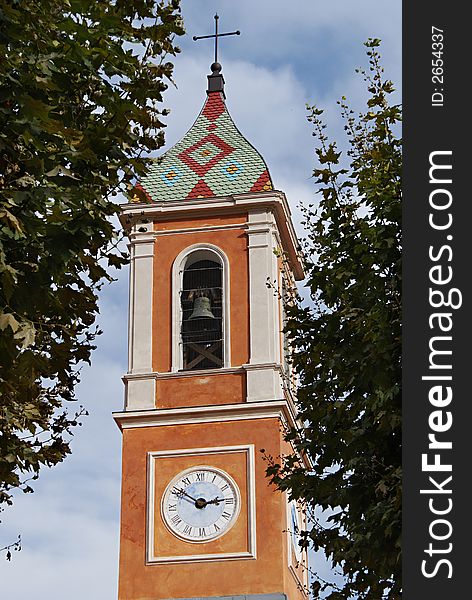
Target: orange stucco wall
[233, 242]
[268, 573]
[201, 390]
[206, 221]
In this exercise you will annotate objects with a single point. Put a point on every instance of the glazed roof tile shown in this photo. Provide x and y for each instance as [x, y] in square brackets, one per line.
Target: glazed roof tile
[212, 159]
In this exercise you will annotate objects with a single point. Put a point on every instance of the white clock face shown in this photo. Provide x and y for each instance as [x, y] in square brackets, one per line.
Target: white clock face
[201, 504]
[295, 529]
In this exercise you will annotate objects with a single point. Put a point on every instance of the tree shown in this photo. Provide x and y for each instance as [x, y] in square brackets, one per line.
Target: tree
[347, 352]
[80, 87]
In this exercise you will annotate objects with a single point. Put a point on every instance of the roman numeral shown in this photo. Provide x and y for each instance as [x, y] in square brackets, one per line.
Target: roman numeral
[201, 531]
[214, 477]
[188, 529]
[176, 520]
[186, 481]
[200, 476]
[229, 500]
[176, 492]
[216, 527]
[172, 507]
[225, 487]
[226, 515]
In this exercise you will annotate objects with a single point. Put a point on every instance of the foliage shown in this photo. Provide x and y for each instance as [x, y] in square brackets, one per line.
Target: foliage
[80, 87]
[347, 351]
[16, 546]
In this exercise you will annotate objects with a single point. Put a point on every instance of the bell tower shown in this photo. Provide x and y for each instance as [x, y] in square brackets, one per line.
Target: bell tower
[208, 384]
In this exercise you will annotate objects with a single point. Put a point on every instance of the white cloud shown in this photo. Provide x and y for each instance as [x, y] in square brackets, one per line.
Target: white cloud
[67, 553]
[274, 28]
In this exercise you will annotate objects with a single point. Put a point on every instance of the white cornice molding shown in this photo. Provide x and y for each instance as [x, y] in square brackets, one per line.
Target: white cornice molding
[181, 374]
[280, 409]
[141, 238]
[257, 366]
[223, 413]
[275, 201]
[171, 206]
[187, 230]
[289, 396]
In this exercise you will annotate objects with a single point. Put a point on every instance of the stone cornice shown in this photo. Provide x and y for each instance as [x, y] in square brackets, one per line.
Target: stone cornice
[273, 201]
[207, 414]
[280, 409]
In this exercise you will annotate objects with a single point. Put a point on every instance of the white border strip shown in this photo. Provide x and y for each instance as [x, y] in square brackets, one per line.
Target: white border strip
[251, 508]
[206, 414]
[177, 274]
[274, 201]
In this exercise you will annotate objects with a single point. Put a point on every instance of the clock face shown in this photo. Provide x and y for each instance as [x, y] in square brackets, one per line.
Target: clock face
[295, 529]
[200, 504]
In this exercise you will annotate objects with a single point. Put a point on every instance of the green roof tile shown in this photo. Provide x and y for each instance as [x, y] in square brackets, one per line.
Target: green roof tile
[212, 159]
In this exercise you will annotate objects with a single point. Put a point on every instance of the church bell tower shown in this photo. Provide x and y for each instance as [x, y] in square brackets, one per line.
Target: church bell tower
[213, 254]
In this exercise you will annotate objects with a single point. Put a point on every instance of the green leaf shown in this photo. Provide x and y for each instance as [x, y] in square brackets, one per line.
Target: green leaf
[68, 144]
[346, 351]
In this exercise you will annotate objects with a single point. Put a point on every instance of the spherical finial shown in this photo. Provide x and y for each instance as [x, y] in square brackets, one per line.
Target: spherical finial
[215, 68]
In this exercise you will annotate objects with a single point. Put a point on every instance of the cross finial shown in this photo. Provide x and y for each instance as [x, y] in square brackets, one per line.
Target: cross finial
[216, 35]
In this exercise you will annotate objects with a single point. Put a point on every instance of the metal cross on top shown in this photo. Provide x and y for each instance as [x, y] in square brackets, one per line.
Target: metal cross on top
[216, 35]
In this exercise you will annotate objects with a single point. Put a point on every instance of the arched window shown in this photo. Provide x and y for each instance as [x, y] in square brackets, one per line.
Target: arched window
[200, 305]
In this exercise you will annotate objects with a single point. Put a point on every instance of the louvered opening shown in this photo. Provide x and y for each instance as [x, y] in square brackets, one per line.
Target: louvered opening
[201, 300]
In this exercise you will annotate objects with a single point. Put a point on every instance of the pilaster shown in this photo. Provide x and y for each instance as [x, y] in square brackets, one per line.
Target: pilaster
[140, 390]
[263, 377]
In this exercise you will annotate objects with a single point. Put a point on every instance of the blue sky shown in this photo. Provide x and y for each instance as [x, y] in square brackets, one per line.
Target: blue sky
[288, 54]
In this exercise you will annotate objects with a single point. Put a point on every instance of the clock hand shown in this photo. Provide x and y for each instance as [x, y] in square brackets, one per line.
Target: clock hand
[184, 493]
[199, 503]
[215, 501]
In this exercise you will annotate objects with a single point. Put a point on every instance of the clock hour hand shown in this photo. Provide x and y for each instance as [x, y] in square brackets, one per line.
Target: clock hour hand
[215, 501]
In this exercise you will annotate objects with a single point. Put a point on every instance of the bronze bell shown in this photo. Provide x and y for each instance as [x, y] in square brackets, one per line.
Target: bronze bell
[202, 309]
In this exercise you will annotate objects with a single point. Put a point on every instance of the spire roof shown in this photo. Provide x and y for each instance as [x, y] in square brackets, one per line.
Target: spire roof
[212, 159]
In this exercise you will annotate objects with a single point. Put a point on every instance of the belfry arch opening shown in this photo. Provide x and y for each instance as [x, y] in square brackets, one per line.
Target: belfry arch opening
[201, 300]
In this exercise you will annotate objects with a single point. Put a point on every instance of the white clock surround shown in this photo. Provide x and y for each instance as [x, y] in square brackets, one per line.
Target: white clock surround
[153, 557]
[295, 554]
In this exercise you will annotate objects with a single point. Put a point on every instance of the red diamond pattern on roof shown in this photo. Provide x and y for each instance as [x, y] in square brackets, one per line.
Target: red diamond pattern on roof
[140, 188]
[213, 159]
[262, 184]
[214, 107]
[200, 169]
[201, 190]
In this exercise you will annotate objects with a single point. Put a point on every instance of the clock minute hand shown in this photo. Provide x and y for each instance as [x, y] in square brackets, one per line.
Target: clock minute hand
[184, 493]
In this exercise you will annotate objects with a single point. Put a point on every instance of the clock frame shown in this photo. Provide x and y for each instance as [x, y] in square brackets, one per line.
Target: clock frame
[295, 526]
[297, 556]
[238, 541]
